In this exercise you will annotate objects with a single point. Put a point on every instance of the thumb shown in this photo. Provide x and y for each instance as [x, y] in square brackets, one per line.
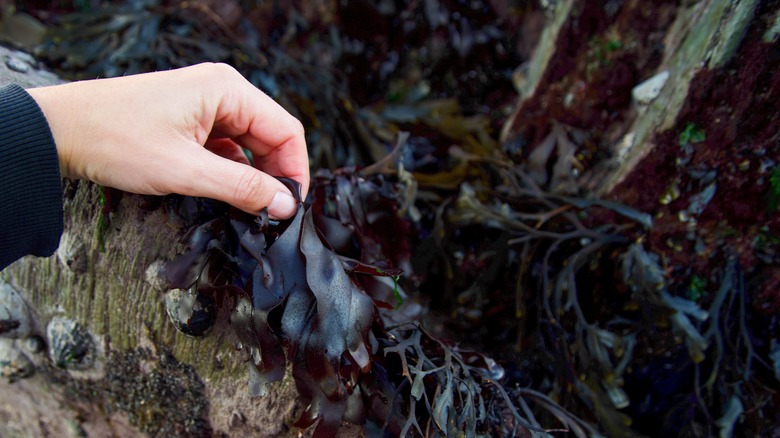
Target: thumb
[242, 186]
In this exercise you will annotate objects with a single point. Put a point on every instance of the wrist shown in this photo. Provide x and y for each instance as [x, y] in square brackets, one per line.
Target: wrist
[58, 115]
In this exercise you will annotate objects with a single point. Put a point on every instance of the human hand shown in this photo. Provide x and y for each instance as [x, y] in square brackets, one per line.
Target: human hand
[179, 131]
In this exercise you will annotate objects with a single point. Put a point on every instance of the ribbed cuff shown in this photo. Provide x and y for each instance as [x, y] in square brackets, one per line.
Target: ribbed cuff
[30, 185]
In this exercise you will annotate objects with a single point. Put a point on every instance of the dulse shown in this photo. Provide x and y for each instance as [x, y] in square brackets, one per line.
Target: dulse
[294, 297]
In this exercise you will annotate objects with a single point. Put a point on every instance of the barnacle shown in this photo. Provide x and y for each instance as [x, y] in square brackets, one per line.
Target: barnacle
[70, 344]
[72, 252]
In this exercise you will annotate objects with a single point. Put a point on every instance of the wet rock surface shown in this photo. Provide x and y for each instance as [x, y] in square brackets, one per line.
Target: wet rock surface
[21, 68]
[632, 352]
[159, 395]
[14, 364]
[15, 318]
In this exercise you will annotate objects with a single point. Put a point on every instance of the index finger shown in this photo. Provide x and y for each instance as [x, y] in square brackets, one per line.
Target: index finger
[260, 124]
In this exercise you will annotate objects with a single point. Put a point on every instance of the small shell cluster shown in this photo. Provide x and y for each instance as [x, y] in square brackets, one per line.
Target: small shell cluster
[70, 344]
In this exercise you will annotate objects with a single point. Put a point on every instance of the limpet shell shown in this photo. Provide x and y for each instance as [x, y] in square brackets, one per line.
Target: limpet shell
[70, 344]
[192, 313]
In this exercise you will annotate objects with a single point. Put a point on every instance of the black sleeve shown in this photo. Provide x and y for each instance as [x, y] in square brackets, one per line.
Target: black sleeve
[30, 185]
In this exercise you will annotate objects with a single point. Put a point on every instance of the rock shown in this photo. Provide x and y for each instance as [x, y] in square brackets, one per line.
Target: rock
[17, 64]
[648, 90]
[15, 319]
[20, 28]
[14, 364]
[155, 276]
[21, 68]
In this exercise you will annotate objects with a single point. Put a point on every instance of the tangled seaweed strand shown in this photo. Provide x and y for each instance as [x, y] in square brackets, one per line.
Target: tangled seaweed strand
[719, 343]
[554, 244]
[562, 246]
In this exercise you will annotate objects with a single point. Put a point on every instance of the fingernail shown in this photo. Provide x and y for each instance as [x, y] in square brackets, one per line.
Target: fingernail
[282, 206]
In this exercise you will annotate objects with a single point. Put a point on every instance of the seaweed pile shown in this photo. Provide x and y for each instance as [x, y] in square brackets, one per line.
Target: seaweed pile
[295, 299]
[317, 64]
[356, 349]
